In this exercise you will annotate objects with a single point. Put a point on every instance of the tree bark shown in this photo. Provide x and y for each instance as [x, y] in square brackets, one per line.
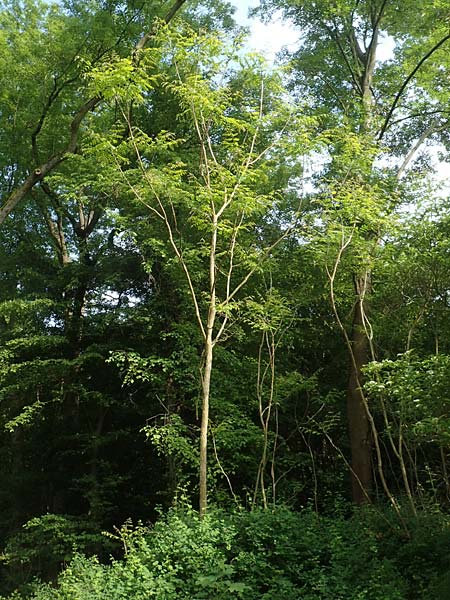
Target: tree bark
[358, 423]
[206, 375]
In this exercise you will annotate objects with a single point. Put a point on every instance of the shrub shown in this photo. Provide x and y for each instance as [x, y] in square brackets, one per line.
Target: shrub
[279, 555]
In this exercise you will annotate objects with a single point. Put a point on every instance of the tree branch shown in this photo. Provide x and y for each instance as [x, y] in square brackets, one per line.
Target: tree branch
[46, 167]
[406, 82]
[42, 170]
[147, 36]
[335, 37]
[56, 232]
[429, 131]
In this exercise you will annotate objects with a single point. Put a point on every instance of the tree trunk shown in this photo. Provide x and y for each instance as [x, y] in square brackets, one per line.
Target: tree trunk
[207, 370]
[358, 423]
[206, 386]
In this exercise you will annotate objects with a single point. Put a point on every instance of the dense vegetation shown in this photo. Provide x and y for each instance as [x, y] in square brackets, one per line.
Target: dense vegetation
[268, 555]
[224, 302]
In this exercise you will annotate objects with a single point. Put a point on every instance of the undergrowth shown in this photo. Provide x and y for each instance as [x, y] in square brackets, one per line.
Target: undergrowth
[267, 555]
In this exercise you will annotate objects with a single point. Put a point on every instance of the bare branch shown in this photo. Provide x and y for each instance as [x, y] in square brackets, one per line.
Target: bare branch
[425, 135]
[263, 256]
[406, 82]
[425, 113]
[229, 274]
[56, 232]
[335, 37]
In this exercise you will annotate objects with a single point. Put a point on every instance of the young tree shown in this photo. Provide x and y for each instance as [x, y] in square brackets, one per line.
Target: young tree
[217, 203]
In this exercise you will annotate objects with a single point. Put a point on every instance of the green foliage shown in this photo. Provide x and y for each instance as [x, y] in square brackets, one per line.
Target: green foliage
[420, 554]
[416, 390]
[268, 555]
[171, 439]
[191, 139]
[44, 544]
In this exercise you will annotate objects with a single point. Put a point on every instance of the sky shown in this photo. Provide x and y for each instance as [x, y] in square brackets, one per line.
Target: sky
[267, 38]
[270, 38]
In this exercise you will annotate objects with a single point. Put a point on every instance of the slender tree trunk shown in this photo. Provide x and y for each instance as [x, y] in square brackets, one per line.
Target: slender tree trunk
[358, 423]
[206, 386]
[207, 370]
[172, 471]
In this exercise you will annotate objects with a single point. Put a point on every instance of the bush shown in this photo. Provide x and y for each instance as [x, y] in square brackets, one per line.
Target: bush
[419, 550]
[279, 555]
[44, 544]
[290, 556]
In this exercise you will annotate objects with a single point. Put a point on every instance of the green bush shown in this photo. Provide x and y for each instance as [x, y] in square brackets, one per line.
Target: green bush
[290, 556]
[44, 544]
[419, 549]
[262, 555]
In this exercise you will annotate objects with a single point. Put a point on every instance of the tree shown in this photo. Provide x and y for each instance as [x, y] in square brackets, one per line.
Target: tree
[212, 207]
[376, 102]
[62, 102]
[70, 278]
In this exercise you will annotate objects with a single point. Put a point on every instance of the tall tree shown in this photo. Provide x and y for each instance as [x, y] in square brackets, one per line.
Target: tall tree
[377, 102]
[54, 46]
[212, 204]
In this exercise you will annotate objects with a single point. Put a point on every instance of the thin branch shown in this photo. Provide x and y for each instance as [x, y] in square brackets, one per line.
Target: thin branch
[164, 217]
[248, 161]
[406, 82]
[56, 203]
[354, 77]
[56, 232]
[148, 36]
[261, 259]
[425, 135]
[421, 114]
[376, 23]
[222, 469]
[229, 274]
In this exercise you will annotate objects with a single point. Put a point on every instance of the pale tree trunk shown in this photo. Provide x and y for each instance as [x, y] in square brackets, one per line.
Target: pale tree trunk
[206, 387]
[206, 374]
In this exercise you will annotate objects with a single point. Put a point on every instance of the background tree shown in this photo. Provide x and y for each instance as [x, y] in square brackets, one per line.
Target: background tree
[338, 62]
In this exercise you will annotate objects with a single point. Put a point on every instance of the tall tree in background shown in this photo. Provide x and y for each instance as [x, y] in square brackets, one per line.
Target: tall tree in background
[390, 108]
[61, 41]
